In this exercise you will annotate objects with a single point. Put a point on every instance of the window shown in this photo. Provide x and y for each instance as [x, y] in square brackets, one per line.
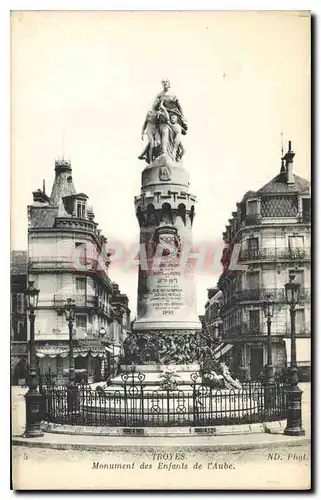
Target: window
[299, 321]
[253, 247]
[81, 251]
[306, 209]
[252, 207]
[20, 328]
[81, 325]
[81, 291]
[295, 243]
[80, 209]
[20, 303]
[81, 285]
[254, 320]
[253, 280]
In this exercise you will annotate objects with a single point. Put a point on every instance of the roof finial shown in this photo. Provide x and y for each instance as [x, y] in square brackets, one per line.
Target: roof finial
[62, 144]
[283, 169]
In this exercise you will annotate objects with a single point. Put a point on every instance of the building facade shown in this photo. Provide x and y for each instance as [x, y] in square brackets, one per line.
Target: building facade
[266, 239]
[212, 319]
[121, 328]
[19, 346]
[68, 258]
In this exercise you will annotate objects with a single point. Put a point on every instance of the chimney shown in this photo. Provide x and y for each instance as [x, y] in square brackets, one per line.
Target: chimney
[288, 157]
[40, 197]
[43, 186]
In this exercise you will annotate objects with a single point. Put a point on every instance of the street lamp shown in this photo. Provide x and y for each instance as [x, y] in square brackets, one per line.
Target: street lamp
[268, 313]
[69, 311]
[33, 398]
[294, 396]
[102, 334]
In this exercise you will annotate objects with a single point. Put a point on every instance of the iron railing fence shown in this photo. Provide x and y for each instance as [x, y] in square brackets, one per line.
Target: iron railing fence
[134, 405]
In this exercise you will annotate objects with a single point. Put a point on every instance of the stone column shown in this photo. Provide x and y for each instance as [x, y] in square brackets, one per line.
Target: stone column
[167, 318]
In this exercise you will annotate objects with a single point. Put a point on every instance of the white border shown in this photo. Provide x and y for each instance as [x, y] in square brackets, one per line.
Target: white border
[5, 8]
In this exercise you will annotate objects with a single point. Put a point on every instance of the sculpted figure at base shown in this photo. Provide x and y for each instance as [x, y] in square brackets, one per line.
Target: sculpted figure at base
[164, 126]
[160, 348]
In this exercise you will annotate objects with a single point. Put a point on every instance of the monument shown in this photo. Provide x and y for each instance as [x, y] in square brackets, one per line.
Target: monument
[167, 326]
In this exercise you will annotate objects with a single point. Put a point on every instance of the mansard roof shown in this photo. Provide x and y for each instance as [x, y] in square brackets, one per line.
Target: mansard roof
[278, 185]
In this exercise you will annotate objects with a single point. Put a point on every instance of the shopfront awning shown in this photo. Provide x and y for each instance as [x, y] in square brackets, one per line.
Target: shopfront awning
[221, 350]
[303, 351]
[63, 351]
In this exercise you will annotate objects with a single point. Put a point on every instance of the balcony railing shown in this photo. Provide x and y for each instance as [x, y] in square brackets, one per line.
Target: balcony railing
[78, 263]
[300, 330]
[80, 300]
[51, 263]
[252, 220]
[261, 294]
[248, 330]
[89, 340]
[245, 330]
[275, 254]
[83, 301]
[18, 348]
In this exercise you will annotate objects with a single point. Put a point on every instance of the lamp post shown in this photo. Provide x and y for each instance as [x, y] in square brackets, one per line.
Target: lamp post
[69, 311]
[102, 334]
[33, 398]
[268, 313]
[294, 395]
[113, 355]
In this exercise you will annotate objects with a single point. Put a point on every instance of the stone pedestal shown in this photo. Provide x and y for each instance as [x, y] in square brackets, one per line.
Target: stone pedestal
[167, 324]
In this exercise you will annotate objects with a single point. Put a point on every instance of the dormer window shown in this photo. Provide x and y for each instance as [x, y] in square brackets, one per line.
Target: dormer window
[252, 207]
[306, 209]
[76, 205]
[80, 209]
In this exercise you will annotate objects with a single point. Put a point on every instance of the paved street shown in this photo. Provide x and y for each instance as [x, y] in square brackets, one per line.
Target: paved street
[72, 469]
[282, 467]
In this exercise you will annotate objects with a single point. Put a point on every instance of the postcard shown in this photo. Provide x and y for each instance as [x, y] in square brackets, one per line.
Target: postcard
[160, 250]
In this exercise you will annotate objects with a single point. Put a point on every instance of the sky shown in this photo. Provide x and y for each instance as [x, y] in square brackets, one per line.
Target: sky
[82, 82]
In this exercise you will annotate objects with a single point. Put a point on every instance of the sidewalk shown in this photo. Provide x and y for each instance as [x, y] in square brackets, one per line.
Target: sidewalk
[123, 443]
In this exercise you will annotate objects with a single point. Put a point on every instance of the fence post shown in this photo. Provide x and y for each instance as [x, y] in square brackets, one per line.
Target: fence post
[168, 414]
[142, 401]
[124, 377]
[269, 399]
[141, 378]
